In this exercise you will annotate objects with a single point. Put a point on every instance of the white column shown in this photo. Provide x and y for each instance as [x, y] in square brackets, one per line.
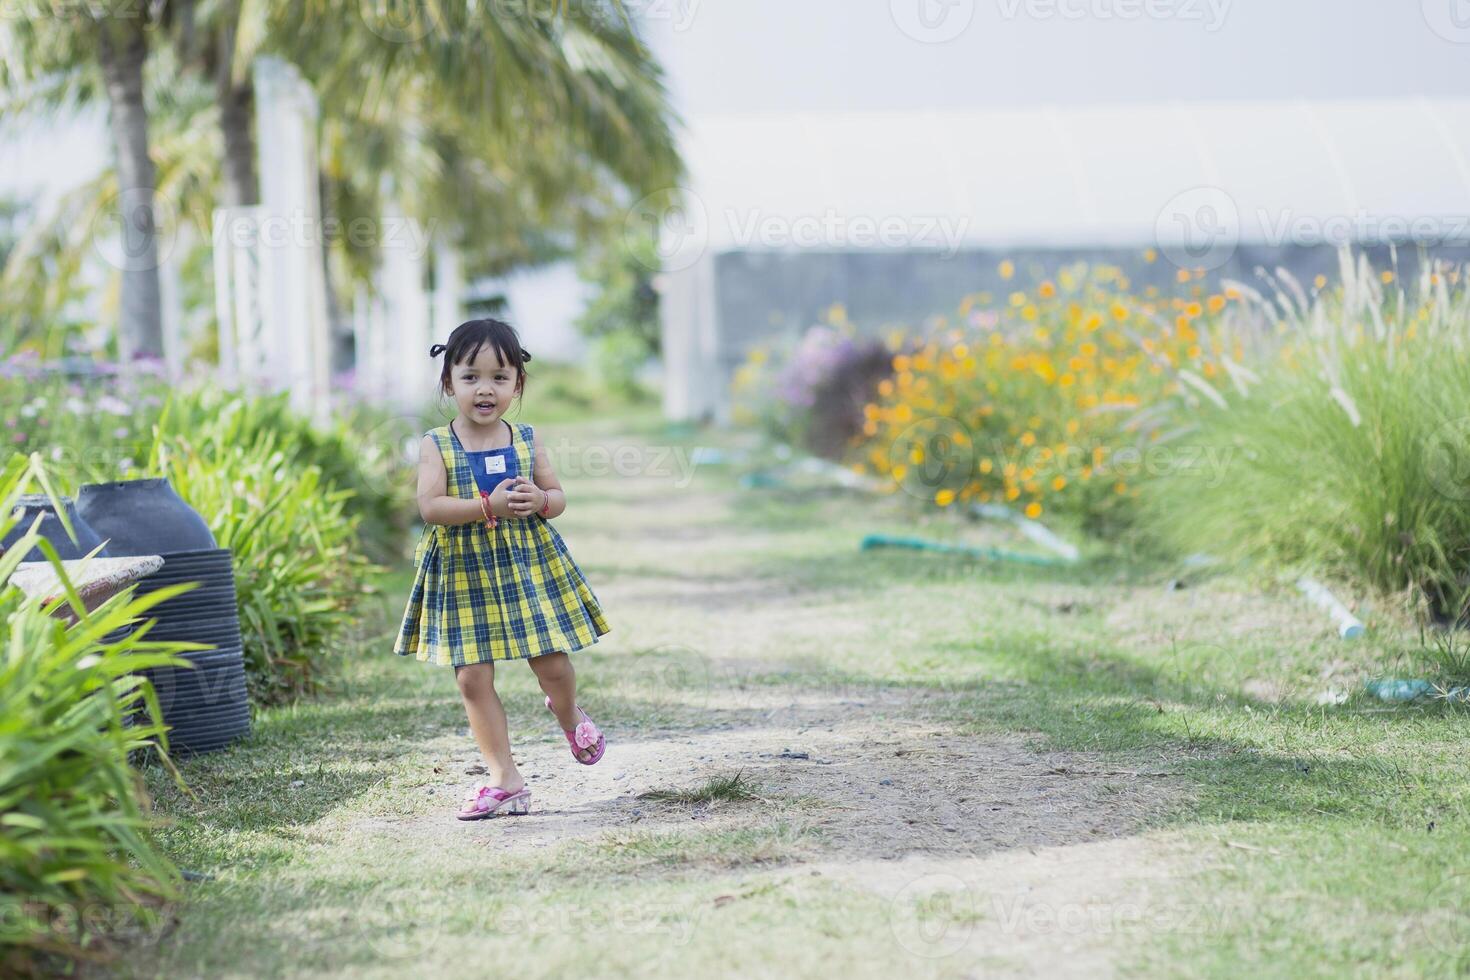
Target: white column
[411, 372]
[448, 290]
[298, 346]
[688, 318]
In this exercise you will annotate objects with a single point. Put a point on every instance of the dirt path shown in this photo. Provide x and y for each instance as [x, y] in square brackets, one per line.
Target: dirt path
[992, 856]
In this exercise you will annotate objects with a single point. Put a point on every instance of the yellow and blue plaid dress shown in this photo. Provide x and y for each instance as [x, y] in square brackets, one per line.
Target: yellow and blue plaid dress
[506, 594]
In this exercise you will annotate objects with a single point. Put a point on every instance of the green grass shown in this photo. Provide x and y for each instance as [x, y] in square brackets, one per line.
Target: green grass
[1323, 839]
[735, 788]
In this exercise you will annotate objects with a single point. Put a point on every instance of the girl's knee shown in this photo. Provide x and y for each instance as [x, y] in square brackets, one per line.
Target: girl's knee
[552, 667]
[475, 680]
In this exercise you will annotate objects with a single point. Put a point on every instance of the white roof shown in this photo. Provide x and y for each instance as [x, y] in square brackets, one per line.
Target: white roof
[1089, 175]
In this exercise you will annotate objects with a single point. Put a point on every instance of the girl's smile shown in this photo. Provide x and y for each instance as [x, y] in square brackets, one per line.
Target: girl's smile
[482, 387]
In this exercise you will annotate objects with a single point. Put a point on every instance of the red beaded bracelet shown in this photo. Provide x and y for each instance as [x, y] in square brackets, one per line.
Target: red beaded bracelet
[546, 507]
[485, 509]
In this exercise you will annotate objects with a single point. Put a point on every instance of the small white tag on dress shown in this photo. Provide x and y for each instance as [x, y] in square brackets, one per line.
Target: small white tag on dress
[494, 464]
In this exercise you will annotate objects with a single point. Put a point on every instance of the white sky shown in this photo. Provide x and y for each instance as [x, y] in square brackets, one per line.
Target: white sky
[772, 56]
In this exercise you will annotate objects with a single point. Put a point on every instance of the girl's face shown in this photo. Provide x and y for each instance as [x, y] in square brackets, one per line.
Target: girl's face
[483, 388]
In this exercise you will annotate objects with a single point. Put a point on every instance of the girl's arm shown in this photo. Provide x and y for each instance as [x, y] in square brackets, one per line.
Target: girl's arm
[524, 501]
[436, 506]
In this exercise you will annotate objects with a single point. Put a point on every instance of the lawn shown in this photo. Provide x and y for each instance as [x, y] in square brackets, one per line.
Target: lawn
[825, 761]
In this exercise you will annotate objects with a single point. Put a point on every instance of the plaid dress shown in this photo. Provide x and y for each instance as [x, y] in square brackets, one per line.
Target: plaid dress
[506, 594]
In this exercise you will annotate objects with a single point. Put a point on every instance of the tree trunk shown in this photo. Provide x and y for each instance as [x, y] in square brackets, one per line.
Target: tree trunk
[236, 114]
[123, 49]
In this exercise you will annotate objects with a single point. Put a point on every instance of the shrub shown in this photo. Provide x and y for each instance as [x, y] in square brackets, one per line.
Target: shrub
[74, 826]
[1050, 402]
[1349, 451]
[811, 393]
[298, 572]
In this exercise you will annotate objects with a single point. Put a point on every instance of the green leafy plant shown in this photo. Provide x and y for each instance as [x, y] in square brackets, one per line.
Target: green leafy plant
[77, 860]
[299, 573]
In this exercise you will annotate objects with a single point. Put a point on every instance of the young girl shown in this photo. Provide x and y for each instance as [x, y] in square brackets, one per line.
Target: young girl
[494, 580]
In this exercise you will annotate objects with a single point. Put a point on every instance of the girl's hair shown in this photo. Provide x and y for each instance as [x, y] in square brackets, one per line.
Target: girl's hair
[467, 339]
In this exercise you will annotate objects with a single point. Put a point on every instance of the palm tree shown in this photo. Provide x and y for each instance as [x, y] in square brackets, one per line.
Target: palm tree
[57, 64]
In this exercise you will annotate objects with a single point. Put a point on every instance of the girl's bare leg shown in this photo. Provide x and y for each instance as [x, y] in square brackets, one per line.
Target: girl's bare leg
[559, 681]
[487, 721]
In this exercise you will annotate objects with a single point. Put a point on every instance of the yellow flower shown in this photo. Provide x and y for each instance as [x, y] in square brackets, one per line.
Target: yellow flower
[901, 362]
[1386, 276]
[1007, 269]
[1046, 290]
[1182, 275]
[1033, 510]
[1058, 483]
[1119, 311]
[1149, 255]
[1193, 310]
[1120, 487]
[1028, 438]
[1216, 304]
[1012, 493]
[986, 465]
[1320, 281]
[944, 497]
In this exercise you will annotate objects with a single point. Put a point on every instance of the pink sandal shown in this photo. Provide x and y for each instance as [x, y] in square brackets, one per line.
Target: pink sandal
[483, 801]
[584, 736]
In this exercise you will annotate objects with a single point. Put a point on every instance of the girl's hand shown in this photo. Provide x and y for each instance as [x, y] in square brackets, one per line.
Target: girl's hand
[525, 498]
[500, 498]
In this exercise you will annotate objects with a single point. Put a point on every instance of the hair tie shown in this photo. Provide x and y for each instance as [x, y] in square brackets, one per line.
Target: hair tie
[436, 350]
[525, 355]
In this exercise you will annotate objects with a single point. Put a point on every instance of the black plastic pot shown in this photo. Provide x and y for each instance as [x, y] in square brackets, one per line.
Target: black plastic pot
[32, 505]
[207, 706]
[143, 517]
